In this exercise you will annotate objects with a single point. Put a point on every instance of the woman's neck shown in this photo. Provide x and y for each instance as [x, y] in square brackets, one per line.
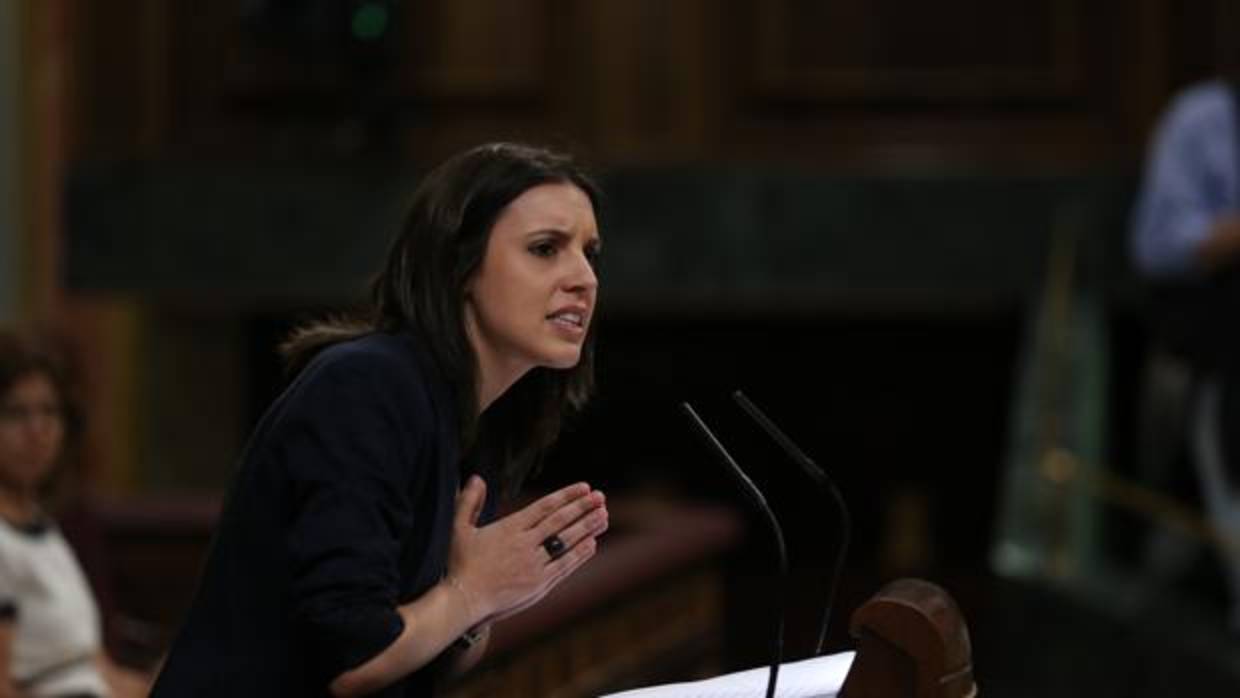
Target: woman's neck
[495, 375]
[18, 506]
[490, 388]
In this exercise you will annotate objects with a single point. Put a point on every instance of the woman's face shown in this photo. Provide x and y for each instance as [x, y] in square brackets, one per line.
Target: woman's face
[31, 431]
[531, 300]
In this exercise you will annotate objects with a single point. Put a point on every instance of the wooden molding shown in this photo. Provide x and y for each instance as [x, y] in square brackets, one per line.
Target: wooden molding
[847, 53]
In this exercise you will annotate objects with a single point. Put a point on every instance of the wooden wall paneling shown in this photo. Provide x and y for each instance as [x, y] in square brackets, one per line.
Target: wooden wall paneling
[446, 72]
[47, 87]
[695, 46]
[1144, 52]
[1179, 42]
[898, 84]
[651, 81]
[121, 53]
[613, 104]
[902, 53]
[476, 50]
[572, 79]
[251, 87]
[1147, 67]
[654, 73]
[194, 397]
[106, 337]
[12, 204]
[1130, 59]
[474, 71]
[1203, 37]
[231, 91]
[480, 71]
[217, 75]
[114, 105]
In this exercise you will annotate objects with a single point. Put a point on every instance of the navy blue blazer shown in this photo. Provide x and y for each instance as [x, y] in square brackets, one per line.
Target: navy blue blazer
[341, 509]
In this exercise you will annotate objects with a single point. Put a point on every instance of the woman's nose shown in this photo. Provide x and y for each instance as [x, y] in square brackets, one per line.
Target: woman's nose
[582, 277]
[40, 422]
[37, 427]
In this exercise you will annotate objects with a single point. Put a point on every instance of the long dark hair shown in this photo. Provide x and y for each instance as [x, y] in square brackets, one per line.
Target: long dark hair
[422, 287]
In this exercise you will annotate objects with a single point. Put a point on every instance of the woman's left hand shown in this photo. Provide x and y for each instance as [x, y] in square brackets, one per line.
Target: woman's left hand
[503, 568]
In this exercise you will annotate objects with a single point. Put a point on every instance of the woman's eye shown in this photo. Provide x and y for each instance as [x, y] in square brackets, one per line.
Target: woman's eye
[543, 249]
[592, 255]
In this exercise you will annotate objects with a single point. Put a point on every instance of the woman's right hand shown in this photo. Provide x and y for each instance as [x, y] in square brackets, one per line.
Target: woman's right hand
[502, 568]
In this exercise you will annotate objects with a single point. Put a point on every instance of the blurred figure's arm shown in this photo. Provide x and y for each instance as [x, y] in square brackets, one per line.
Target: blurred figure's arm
[123, 682]
[8, 689]
[1221, 247]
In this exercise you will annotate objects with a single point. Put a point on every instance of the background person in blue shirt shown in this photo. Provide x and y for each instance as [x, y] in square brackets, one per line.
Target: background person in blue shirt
[1187, 222]
[1186, 243]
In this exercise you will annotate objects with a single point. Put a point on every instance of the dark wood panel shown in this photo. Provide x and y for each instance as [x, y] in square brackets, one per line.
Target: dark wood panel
[477, 49]
[1055, 83]
[299, 83]
[472, 49]
[654, 83]
[119, 76]
[1064, 83]
[1203, 37]
[894, 50]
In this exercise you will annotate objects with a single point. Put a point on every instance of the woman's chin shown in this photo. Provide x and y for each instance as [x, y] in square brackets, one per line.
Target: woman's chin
[25, 480]
[563, 360]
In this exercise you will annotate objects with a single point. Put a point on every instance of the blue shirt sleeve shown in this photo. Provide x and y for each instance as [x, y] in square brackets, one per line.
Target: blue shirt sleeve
[1190, 180]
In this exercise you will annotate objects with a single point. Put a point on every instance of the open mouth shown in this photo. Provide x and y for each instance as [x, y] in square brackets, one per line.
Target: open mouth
[568, 318]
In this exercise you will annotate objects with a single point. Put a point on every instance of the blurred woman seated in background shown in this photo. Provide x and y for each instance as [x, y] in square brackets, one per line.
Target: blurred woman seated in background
[50, 632]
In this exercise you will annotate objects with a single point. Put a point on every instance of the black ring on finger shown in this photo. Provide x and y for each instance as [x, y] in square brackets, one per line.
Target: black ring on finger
[554, 546]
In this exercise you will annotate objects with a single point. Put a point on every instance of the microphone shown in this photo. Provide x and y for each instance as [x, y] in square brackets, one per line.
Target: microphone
[777, 640]
[824, 482]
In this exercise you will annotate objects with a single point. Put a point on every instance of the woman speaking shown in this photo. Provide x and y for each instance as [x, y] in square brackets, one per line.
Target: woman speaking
[356, 553]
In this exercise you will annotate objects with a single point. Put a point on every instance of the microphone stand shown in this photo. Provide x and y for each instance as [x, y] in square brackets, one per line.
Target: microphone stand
[825, 483]
[777, 640]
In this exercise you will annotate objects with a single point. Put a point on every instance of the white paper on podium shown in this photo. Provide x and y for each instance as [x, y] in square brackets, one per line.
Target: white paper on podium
[820, 677]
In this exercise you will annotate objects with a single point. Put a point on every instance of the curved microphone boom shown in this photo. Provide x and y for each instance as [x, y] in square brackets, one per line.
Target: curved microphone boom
[777, 641]
[825, 483]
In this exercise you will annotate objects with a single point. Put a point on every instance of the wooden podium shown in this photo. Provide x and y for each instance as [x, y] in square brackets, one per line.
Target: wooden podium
[912, 642]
